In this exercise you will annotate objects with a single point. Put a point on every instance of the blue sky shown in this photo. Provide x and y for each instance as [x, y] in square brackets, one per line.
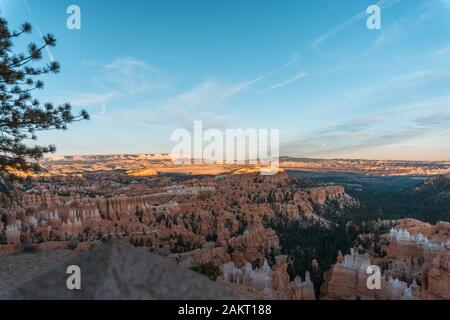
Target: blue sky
[312, 69]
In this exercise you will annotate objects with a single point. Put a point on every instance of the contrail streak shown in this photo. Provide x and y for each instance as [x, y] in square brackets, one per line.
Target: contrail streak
[323, 38]
[49, 52]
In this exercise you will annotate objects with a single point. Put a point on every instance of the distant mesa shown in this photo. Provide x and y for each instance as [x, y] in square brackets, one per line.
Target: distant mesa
[162, 163]
[155, 156]
[142, 173]
[256, 169]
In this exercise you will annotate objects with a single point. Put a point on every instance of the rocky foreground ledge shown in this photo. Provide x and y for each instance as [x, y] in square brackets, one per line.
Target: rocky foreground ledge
[119, 271]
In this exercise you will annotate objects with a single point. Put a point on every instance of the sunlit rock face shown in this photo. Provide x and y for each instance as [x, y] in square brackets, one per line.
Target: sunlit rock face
[163, 163]
[416, 266]
[347, 280]
[223, 219]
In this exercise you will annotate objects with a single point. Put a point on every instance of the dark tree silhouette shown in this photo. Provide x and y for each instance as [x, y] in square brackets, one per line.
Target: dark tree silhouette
[22, 116]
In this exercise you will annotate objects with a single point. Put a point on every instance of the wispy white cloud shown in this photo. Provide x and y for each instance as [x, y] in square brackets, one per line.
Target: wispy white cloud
[203, 101]
[446, 3]
[404, 26]
[439, 52]
[397, 30]
[102, 114]
[119, 79]
[242, 86]
[288, 81]
[400, 124]
[197, 103]
[88, 99]
[212, 94]
[129, 75]
[392, 86]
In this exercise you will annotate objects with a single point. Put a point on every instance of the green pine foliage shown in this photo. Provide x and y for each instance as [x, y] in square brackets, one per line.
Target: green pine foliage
[21, 115]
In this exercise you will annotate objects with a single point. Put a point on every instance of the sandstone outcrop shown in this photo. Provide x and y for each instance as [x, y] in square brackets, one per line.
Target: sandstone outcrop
[416, 266]
[271, 282]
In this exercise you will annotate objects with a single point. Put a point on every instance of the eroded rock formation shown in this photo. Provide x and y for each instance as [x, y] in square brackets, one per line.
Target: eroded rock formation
[416, 266]
[223, 219]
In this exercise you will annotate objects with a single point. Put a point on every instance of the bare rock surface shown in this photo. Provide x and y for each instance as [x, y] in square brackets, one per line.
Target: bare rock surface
[19, 268]
[116, 270]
